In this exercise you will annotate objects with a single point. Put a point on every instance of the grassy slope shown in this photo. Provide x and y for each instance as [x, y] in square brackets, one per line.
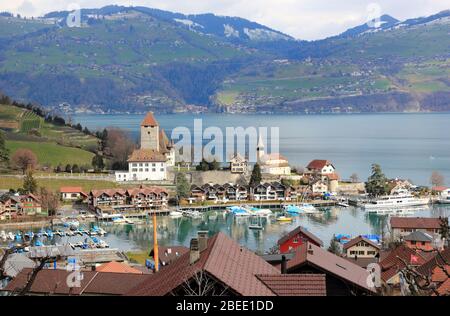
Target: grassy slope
[47, 150]
[53, 154]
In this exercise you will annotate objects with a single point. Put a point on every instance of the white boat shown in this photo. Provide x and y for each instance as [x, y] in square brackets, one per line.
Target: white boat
[3, 235]
[396, 201]
[192, 214]
[119, 220]
[444, 200]
[175, 214]
[308, 208]
[262, 212]
[11, 236]
[342, 204]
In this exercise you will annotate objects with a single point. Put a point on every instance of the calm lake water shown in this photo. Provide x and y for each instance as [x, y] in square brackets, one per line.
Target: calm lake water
[334, 220]
[409, 146]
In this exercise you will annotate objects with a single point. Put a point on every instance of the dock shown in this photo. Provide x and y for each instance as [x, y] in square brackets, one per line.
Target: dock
[270, 205]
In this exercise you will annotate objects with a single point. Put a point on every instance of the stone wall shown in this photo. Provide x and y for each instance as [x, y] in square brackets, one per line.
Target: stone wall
[219, 177]
[351, 188]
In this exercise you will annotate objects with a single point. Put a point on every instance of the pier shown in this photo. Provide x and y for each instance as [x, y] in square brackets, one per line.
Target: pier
[270, 205]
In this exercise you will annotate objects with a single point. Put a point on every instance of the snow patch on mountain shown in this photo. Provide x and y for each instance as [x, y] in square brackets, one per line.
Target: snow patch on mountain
[229, 31]
[264, 35]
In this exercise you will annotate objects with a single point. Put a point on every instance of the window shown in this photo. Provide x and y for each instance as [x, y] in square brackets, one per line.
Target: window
[153, 164]
[154, 169]
[371, 252]
[361, 252]
[162, 169]
[352, 252]
[295, 241]
[423, 243]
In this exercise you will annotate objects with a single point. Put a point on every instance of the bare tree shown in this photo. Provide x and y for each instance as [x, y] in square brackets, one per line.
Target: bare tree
[437, 179]
[49, 200]
[354, 178]
[119, 144]
[24, 159]
[202, 284]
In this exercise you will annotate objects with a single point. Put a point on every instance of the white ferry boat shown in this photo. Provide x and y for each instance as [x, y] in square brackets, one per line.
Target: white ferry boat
[396, 201]
[444, 200]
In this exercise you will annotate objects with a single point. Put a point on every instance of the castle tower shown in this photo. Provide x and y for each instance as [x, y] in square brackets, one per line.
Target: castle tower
[259, 149]
[150, 133]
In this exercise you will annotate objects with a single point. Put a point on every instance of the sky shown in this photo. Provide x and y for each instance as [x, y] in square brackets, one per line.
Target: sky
[302, 19]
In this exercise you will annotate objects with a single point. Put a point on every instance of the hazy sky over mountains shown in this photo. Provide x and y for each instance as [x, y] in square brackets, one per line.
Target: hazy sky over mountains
[303, 19]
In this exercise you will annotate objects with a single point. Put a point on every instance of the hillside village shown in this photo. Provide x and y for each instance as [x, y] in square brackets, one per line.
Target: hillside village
[412, 255]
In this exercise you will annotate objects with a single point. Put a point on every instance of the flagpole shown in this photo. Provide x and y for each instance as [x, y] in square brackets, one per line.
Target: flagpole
[155, 243]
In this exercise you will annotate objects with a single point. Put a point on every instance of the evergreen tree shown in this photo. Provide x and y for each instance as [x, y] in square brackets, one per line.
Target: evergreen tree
[377, 183]
[334, 246]
[68, 168]
[444, 229]
[97, 162]
[183, 187]
[214, 165]
[29, 183]
[4, 152]
[256, 176]
[75, 168]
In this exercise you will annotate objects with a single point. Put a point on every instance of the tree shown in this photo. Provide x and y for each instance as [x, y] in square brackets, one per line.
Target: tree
[334, 246]
[68, 168]
[444, 229]
[437, 179]
[24, 159]
[354, 178]
[214, 165]
[202, 284]
[4, 152]
[97, 163]
[256, 176]
[49, 201]
[203, 165]
[119, 145]
[183, 187]
[377, 183]
[75, 168]
[29, 183]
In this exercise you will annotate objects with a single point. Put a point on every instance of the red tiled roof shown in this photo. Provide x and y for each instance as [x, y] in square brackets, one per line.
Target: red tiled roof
[303, 231]
[356, 240]
[71, 189]
[149, 120]
[117, 267]
[317, 164]
[333, 176]
[391, 264]
[49, 281]
[223, 259]
[108, 192]
[146, 190]
[415, 222]
[444, 288]
[328, 262]
[427, 268]
[146, 155]
[295, 284]
[439, 189]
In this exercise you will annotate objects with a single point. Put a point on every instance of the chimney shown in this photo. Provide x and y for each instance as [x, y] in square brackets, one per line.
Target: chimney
[202, 240]
[283, 264]
[194, 253]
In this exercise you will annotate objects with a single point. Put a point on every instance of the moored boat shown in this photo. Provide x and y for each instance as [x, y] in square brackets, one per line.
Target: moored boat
[395, 201]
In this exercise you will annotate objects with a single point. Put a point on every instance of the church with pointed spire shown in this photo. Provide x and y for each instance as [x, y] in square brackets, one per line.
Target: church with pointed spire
[156, 153]
[273, 163]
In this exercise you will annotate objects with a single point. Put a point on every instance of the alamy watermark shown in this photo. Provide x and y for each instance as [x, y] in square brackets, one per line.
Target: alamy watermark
[214, 143]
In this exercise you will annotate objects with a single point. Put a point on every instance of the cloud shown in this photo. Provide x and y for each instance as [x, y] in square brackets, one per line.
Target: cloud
[304, 19]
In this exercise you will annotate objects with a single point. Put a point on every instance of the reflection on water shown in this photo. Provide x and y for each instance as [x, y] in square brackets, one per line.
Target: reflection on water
[179, 231]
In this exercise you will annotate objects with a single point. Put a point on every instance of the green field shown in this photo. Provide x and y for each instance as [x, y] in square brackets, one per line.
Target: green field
[52, 153]
[55, 184]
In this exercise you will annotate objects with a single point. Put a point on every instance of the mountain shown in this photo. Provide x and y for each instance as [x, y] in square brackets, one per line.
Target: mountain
[131, 59]
[384, 22]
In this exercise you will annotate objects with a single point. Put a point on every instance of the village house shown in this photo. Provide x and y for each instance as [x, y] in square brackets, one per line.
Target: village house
[419, 240]
[403, 226]
[238, 164]
[398, 185]
[361, 251]
[21, 205]
[320, 167]
[71, 194]
[140, 198]
[343, 278]
[296, 238]
[218, 193]
[274, 191]
[442, 191]
[150, 162]
[437, 269]
[271, 164]
[229, 269]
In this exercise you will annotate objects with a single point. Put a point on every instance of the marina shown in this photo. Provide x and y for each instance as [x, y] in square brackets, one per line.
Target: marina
[258, 233]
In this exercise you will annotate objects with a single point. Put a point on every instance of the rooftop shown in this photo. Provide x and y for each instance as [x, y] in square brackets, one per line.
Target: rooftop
[317, 164]
[415, 222]
[419, 236]
[302, 230]
[358, 239]
[146, 155]
[149, 120]
[117, 267]
[295, 284]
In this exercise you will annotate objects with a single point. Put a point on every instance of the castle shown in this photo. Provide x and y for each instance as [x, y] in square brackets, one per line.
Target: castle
[150, 161]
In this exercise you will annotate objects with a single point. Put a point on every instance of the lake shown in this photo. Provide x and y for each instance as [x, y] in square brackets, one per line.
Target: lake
[409, 146]
[334, 220]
